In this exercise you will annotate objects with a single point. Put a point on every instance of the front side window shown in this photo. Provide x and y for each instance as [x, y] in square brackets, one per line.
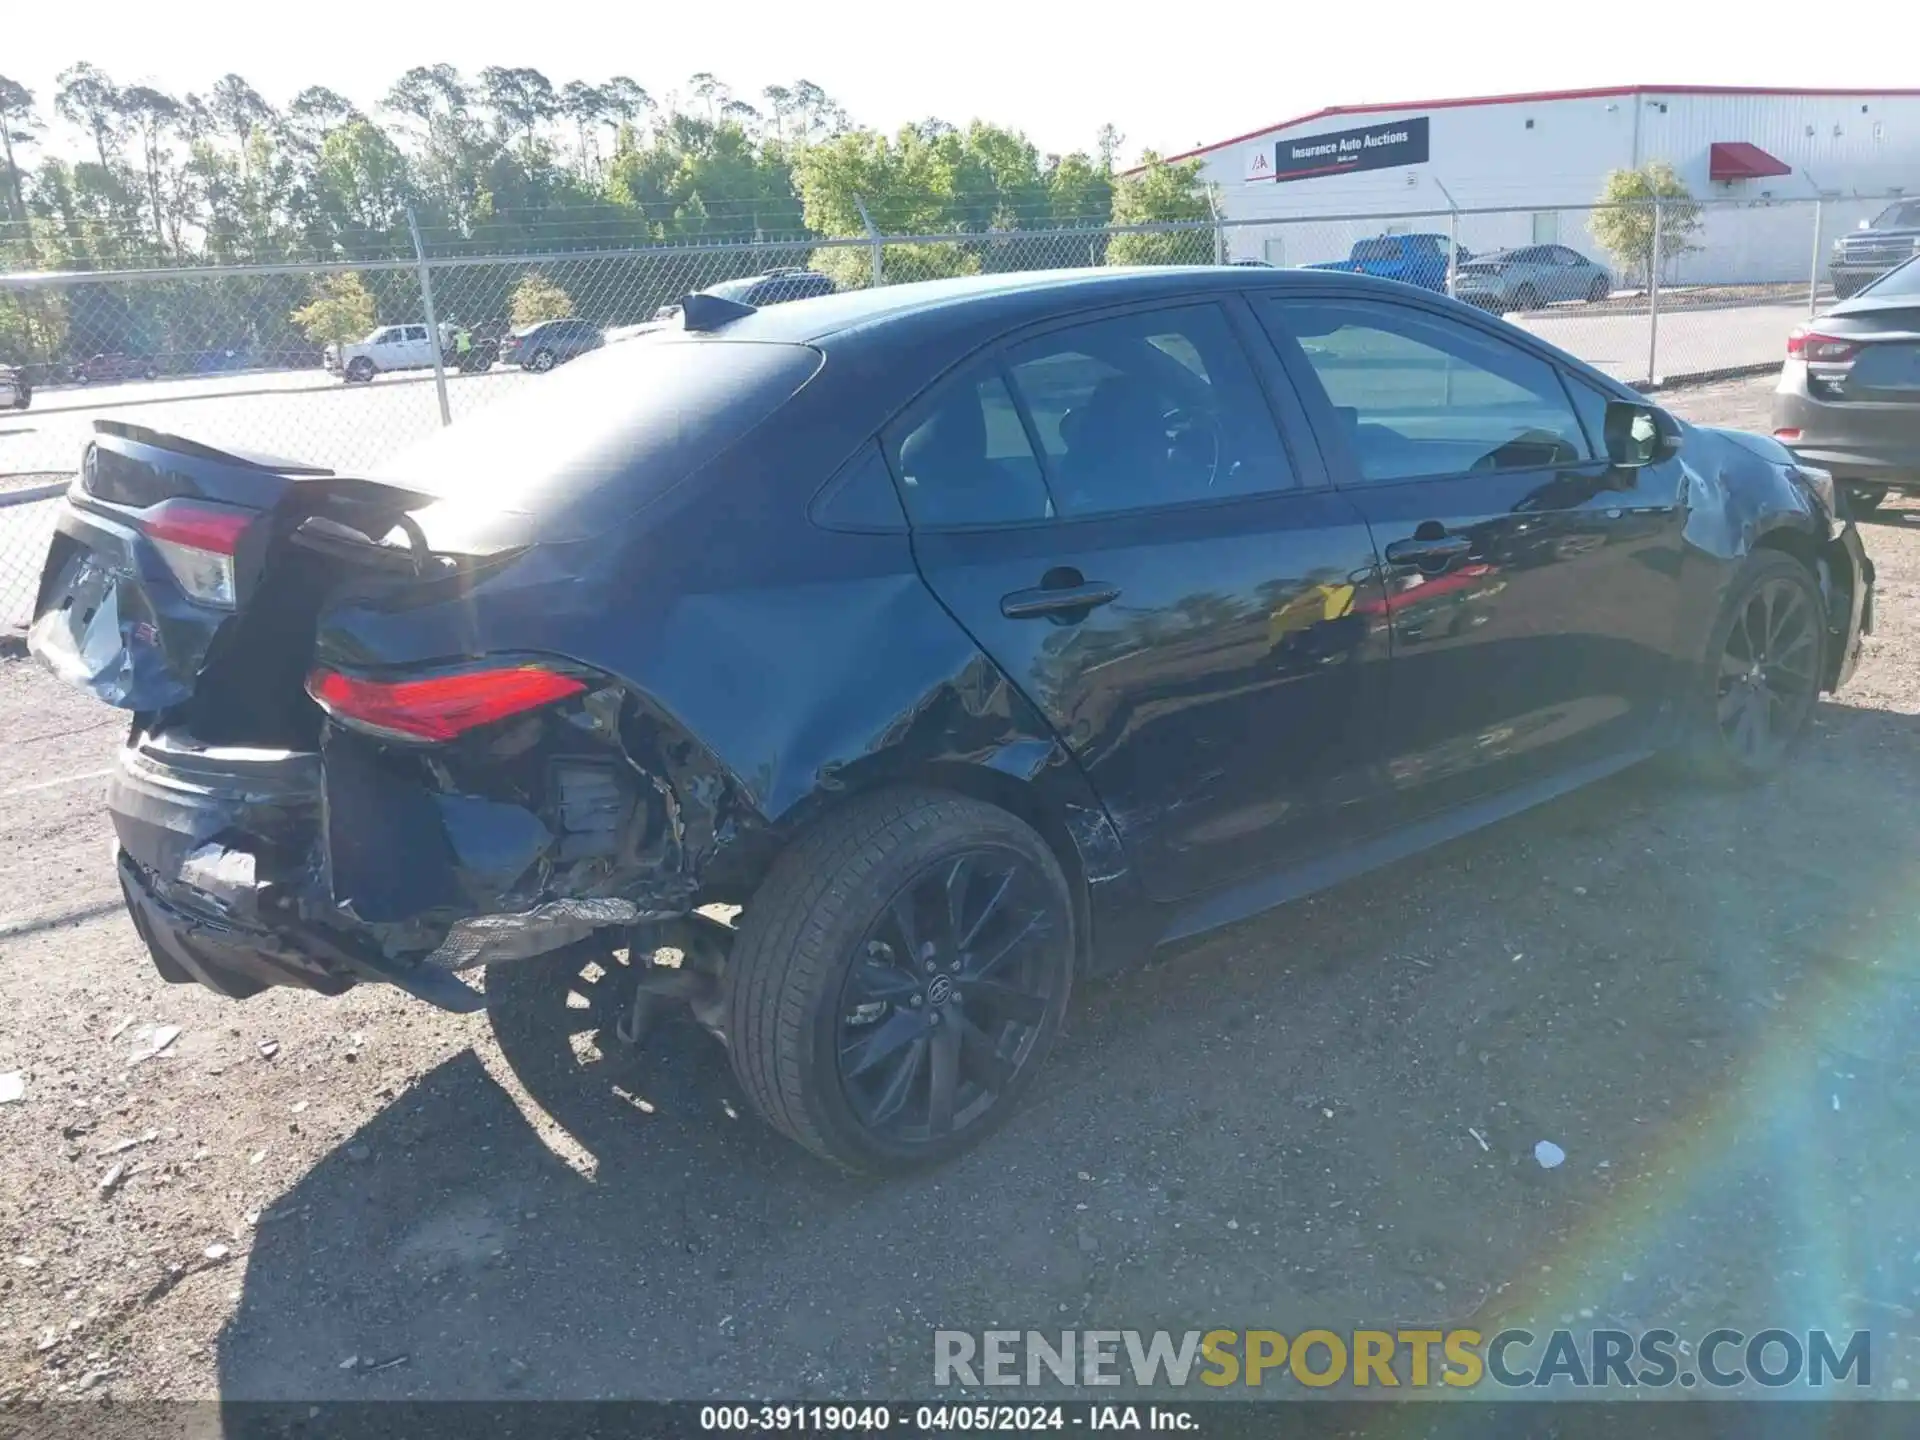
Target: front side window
[416, 332]
[1422, 395]
[1153, 409]
[963, 458]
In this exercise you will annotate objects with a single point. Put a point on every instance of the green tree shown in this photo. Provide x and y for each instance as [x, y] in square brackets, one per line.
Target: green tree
[1079, 192]
[1625, 222]
[537, 298]
[1161, 193]
[341, 309]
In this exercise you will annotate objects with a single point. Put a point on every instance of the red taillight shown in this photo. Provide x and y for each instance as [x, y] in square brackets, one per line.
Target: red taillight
[198, 541]
[438, 707]
[1805, 344]
[1787, 436]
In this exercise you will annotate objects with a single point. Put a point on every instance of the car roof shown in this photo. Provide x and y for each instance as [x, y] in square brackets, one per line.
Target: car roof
[1007, 300]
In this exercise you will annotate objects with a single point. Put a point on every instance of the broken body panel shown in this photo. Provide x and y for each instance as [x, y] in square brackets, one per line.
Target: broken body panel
[265, 842]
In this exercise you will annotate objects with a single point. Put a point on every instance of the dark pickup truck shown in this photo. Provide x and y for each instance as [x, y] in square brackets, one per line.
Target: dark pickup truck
[1887, 240]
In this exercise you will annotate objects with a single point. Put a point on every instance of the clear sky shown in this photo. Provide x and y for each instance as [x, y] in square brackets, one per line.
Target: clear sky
[1170, 76]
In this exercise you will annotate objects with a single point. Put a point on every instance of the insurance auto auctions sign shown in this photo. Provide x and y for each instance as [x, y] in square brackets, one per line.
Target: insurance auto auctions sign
[1377, 147]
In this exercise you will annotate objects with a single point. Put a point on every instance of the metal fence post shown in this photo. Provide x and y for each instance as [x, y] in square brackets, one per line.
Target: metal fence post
[1653, 300]
[433, 324]
[873, 235]
[1813, 272]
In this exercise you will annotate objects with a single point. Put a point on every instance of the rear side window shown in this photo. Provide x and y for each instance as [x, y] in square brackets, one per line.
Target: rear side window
[416, 332]
[963, 457]
[1382, 249]
[1420, 394]
[1146, 410]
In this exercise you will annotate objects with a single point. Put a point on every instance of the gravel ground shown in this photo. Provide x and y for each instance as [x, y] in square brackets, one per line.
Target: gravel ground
[1327, 1116]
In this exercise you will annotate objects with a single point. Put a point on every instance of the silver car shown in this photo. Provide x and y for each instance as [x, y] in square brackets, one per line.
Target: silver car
[1529, 277]
[15, 392]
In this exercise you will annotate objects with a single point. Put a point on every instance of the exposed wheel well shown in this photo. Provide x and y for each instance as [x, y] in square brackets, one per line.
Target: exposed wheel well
[993, 787]
[1805, 549]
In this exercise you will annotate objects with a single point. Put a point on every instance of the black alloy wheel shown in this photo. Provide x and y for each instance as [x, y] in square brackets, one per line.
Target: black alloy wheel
[1526, 298]
[947, 996]
[899, 977]
[1767, 667]
[1599, 290]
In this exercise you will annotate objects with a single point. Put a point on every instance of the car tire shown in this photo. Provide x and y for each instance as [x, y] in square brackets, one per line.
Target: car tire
[543, 361]
[1844, 289]
[80, 377]
[841, 1038]
[1753, 697]
[152, 372]
[359, 371]
[1526, 298]
[1863, 499]
[1599, 290]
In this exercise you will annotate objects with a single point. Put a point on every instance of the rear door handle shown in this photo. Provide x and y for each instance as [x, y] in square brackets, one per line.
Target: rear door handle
[1428, 552]
[1060, 600]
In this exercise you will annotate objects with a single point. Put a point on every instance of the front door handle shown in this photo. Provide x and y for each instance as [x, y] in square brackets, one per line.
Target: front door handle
[1435, 551]
[1063, 600]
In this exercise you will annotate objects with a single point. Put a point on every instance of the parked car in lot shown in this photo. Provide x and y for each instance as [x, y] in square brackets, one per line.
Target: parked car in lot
[1891, 238]
[1849, 393]
[776, 287]
[972, 637]
[16, 392]
[389, 348]
[115, 366]
[1411, 259]
[550, 343]
[1529, 277]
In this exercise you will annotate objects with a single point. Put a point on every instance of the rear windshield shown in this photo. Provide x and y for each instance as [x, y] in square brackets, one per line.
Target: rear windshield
[602, 435]
[1901, 280]
[1905, 216]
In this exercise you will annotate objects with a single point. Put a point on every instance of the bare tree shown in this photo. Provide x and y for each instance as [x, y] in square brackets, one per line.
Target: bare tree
[88, 99]
[586, 106]
[152, 114]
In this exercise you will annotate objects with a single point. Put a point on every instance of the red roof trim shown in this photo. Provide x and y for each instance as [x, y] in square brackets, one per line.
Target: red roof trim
[1460, 102]
[1742, 160]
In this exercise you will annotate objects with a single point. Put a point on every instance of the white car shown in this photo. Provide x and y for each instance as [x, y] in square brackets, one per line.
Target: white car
[391, 347]
[15, 393]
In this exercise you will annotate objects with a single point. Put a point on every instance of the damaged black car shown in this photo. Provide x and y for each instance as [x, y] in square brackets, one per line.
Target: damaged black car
[861, 673]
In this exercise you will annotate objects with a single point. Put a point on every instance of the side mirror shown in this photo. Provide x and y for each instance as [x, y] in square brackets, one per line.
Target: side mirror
[1639, 435]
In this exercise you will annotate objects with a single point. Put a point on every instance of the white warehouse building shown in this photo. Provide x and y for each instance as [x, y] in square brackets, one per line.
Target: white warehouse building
[1758, 159]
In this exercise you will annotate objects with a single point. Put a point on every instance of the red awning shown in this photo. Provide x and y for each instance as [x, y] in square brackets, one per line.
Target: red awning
[1737, 160]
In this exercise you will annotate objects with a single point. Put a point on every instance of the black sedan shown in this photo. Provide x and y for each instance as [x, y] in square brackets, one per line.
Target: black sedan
[863, 672]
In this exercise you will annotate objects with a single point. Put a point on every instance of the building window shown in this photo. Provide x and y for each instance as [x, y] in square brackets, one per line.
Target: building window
[1546, 227]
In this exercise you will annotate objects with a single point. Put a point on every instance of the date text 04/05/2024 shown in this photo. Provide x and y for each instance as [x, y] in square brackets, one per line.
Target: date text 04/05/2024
[937, 1419]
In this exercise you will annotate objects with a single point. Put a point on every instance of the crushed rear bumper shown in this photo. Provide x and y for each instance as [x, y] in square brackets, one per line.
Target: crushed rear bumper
[249, 868]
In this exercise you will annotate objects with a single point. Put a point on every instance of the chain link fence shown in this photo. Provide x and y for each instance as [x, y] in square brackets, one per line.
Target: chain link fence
[345, 365]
